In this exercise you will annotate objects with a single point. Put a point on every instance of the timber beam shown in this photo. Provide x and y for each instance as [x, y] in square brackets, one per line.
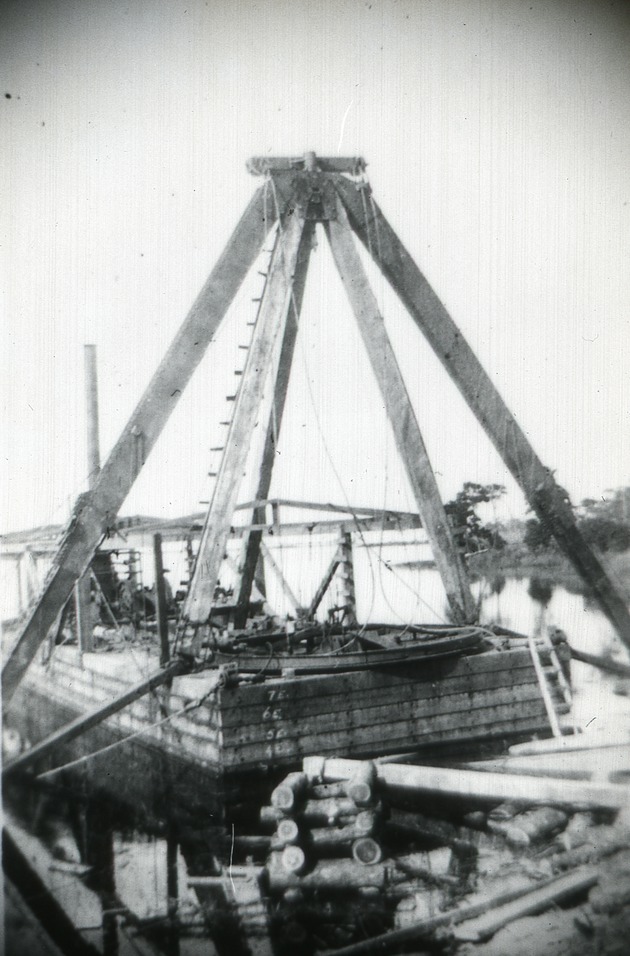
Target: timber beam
[95, 512]
[548, 500]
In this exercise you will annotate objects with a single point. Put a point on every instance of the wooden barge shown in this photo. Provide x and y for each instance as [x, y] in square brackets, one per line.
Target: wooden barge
[218, 721]
[199, 737]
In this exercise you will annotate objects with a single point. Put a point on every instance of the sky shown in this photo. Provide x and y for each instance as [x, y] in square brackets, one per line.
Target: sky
[497, 135]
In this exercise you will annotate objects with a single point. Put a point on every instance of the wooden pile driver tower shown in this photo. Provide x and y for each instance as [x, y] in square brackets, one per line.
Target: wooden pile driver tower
[297, 195]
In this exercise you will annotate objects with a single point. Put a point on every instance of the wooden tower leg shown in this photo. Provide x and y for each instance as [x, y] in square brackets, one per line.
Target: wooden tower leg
[349, 599]
[399, 410]
[95, 511]
[251, 547]
[268, 331]
[549, 501]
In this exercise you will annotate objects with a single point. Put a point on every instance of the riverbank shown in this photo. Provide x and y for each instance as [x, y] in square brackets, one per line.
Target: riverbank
[548, 567]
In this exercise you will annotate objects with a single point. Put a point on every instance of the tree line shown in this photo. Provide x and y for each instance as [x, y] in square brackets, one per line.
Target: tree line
[604, 522]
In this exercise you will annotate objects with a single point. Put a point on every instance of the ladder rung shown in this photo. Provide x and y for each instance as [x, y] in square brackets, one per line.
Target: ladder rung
[212, 474]
[230, 398]
[245, 347]
[238, 371]
[202, 502]
[225, 423]
[218, 448]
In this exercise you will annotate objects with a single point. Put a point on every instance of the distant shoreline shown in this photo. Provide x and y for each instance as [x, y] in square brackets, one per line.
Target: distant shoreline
[549, 567]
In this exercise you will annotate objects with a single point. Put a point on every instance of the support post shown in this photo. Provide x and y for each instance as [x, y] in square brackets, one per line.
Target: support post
[548, 500]
[400, 412]
[160, 601]
[172, 892]
[268, 331]
[91, 405]
[83, 613]
[94, 513]
[324, 585]
[349, 598]
[251, 547]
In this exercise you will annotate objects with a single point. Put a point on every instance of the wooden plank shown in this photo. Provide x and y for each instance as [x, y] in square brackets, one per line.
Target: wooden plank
[416, 715]
[307, 742]
[536, 900]
[269, 326]
[95, 511]
[345, 692]
[487, 786]
[354, 510]
[288, 752]
[549, 501]
[407, 435]
[344, 704]
[435, 670]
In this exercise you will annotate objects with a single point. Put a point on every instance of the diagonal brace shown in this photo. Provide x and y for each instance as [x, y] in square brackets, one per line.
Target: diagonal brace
[408, 437]
[548, 500]
[95, 511]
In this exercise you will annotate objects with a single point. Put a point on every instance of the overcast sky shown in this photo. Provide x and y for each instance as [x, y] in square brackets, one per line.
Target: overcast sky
[498, 140]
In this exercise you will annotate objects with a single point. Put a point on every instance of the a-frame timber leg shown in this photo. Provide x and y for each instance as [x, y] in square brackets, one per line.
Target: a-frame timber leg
[400, 412]
[96, 510]
[268, 331]
[251, 546]
[548, 500]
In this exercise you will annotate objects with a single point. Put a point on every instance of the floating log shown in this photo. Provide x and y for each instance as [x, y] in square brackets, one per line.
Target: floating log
[436, 832]
[335, 875]
[532, 826]
[293, 859]
[329, 839]
[602, 843]
[411, 868]
[481, 785]
[287, 794]
[360, 789]
[594, 740]
[603, 663]
[505, 811]
[287, 832]
[485, 926]
[366, 851]
[388, 941]
[326, 812]
[577, 831]
[322, 791]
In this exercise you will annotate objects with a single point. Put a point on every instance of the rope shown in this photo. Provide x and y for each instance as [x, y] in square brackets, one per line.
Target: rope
[117, 743]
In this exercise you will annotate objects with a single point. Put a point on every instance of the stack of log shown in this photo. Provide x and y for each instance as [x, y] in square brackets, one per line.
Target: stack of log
[326, 835]
[363, 857]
